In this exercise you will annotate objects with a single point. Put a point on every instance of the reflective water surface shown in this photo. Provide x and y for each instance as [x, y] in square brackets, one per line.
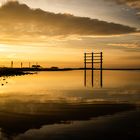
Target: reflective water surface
[69, 87]
[32, 101]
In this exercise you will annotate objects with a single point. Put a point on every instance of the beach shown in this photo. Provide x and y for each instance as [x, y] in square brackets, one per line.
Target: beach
[98, 121]
[120, 126]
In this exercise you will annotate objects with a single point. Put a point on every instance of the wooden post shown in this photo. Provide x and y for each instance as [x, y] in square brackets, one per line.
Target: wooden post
[101, 70]
[85, 68]
[29, 64]
[11, 64]
[21, 64]
[92, 68]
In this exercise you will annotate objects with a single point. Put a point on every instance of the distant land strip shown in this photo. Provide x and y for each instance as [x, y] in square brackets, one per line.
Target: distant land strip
[23, 71]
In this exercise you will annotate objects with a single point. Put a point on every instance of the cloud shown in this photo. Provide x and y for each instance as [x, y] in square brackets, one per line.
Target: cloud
[131, 3]
[137, 57]
[19, 21]
[126, 46]
[134, 4]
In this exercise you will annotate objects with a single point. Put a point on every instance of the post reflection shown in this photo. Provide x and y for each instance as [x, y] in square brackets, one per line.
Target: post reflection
[86, 78]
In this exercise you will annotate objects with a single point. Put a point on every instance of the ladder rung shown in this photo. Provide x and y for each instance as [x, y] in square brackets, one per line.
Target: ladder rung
[93, 61]
[96, 62]
[88, 53]
[96, 53]
[88, 59]
[88, 56]
[88, 62]
[93, 56]
[93, 53]
[96, 59]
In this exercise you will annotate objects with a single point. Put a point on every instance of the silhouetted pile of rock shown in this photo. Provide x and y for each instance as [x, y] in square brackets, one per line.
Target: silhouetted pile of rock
[11, 72]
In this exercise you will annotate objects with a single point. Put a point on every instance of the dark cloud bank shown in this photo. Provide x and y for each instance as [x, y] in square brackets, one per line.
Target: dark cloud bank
[19, 19]
[132, 3]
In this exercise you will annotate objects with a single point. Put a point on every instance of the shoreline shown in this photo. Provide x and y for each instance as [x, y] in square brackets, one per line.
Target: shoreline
[24, 71]
[13, 72]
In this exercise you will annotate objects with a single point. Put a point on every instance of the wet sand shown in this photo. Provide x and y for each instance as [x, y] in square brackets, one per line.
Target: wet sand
[121, 126]
[13, 124]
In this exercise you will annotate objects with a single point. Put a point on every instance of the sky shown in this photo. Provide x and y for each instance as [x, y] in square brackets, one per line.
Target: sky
[57, 32]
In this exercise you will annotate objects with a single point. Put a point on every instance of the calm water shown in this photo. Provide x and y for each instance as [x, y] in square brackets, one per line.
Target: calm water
[60, 97]
[69, 87]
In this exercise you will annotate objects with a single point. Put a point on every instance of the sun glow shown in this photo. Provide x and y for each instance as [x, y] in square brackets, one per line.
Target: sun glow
[33, 35]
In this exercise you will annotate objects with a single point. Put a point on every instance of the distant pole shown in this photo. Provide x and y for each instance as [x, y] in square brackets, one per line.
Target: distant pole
[21, 64]
[92, 68]
[85, 68]
[11, 64]
[29, 64]
[101, 70]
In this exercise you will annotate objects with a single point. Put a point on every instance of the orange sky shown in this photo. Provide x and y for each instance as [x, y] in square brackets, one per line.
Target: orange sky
[51, 39]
